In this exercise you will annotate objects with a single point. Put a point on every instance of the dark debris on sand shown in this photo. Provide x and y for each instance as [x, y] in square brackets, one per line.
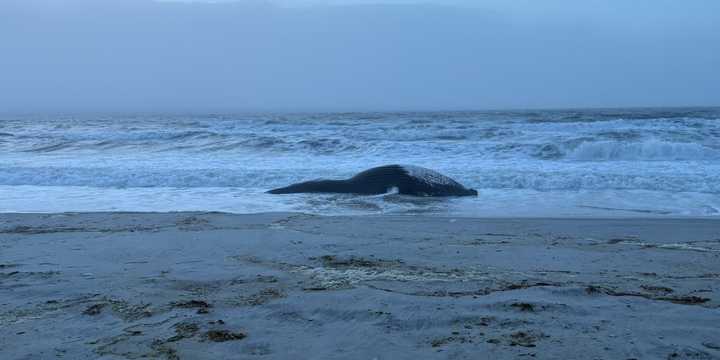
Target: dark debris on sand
[93, 310]
[163, 350]
[450, 339]
[684, 300]
[184, 330]
[262, 297]
[191, 304]
[522, 306]
[525, 338]
[224, 335]
[524, 285]
[519, 338]
[333, 261]
[201, 306]
[657, 289]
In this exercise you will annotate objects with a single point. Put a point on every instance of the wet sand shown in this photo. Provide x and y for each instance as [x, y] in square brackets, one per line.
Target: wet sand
[293, 286]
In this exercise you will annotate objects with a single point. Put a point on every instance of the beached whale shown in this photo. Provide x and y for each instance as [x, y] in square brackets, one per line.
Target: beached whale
[409, 180]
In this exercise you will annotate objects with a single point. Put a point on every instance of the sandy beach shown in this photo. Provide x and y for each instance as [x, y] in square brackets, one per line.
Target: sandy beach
[359, 180]
[294, 286]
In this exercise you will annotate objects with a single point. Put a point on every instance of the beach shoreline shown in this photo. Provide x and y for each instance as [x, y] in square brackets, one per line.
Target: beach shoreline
[123, 285]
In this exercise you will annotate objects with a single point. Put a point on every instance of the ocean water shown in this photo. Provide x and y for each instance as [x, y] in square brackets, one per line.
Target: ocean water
[604, 163]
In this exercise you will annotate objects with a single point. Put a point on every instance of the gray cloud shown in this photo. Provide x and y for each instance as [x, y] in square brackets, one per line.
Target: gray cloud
[257, 55]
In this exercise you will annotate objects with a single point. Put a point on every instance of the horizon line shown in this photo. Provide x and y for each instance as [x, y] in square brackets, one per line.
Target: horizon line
[356, 111]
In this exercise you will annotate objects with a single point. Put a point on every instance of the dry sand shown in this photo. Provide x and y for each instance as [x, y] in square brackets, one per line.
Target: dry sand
[291, 286]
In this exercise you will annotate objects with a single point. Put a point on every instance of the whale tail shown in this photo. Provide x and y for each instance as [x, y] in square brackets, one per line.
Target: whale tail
[283, 190]
[315, 186]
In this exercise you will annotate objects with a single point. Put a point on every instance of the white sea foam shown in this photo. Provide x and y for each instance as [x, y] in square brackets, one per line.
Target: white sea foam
[484, 175]
[644, 150]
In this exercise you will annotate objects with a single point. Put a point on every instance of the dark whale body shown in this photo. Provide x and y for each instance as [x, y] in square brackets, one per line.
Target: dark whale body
[409, 180]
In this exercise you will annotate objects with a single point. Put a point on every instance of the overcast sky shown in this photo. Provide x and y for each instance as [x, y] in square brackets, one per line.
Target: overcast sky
[139, 55]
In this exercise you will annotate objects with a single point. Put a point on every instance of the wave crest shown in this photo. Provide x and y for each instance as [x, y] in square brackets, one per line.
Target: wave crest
[646, 150]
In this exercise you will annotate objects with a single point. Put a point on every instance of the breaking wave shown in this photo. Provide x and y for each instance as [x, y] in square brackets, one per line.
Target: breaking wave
[645, 150]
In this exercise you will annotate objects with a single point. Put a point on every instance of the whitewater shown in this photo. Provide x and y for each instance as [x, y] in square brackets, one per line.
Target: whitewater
[554, 163]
